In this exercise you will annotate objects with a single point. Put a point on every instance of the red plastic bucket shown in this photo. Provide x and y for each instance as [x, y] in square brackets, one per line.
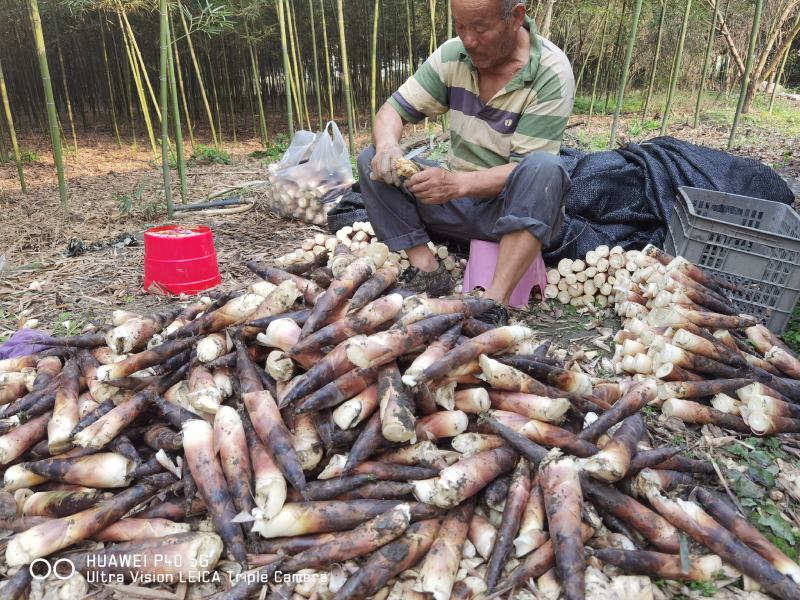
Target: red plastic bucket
[180, 259]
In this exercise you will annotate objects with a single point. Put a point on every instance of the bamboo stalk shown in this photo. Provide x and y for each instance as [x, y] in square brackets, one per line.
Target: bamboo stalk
[178, 68]
[65, 86]
[137, 80]
[374, 62]
[748, 68]
[137, 53]
[298, 71]
[12, 132]
[676, 66]
[317, 87]
[654, 67]
[198, 74]
[164, 99]
[709, 47]
[287, 69]
[327, 60]
[346, 78]
[623, 79]
[175, 112]
[50, 103]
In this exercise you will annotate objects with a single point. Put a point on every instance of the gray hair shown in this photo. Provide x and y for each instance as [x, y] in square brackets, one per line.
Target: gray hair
[507, 7]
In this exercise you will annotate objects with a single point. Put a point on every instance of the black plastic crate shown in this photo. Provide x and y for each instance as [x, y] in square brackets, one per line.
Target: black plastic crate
[751, 242]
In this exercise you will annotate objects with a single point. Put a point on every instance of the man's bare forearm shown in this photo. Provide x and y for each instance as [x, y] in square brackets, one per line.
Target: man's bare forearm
[487, 183]
[388, 128]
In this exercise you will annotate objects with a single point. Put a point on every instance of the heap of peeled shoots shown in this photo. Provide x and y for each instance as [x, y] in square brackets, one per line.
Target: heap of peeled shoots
[379, 444]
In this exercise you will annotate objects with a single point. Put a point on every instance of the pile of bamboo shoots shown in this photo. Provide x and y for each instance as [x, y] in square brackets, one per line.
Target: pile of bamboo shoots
[308, 195]
[370, 442]
[590, 280]
[714, 365]
[357, 239]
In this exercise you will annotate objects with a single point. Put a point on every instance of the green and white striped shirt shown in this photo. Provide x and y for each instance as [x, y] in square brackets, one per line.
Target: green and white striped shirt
[529, 114]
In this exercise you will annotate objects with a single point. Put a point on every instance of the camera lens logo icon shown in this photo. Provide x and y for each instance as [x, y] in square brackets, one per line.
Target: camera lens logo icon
[63, 568]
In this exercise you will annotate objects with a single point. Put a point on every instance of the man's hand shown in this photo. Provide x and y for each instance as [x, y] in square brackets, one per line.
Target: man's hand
[383, 164]
[434, 185]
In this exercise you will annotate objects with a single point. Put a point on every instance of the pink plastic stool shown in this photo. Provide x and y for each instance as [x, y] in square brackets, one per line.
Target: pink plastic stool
[480, 271]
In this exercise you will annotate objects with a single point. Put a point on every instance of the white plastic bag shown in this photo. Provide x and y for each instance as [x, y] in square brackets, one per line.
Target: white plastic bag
[298, 151]
[309, 190]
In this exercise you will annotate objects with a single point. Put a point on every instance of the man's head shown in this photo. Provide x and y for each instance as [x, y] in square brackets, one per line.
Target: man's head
[488, 29]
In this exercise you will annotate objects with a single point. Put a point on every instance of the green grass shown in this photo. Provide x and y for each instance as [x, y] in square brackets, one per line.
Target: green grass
[71, 323]
[752, 486]
[594, 142]
[275, 150]
[792, 333]
[784, 119]
[209, 155]
[27, 157]
[715, 109]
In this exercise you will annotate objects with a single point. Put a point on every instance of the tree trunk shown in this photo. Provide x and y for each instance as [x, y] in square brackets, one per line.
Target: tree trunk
[783, 66]
[726, 34]
[751, 49]
[654, 68]
[764, 72]
[676, 66]
[52, 117]
[758, 69]
[11, 131]
[623, 80]
[709, 47]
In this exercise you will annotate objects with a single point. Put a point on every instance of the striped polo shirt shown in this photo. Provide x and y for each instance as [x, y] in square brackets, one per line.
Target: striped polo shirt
[529, 114]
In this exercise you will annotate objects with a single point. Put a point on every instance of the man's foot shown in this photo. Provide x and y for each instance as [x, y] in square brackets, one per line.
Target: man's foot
[496, 315]
[435, 283]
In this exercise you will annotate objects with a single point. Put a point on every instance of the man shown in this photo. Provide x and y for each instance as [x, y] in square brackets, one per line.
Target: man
[510, 93]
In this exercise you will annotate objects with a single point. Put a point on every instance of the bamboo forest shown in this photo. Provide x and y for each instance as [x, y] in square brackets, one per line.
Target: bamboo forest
[226, 71]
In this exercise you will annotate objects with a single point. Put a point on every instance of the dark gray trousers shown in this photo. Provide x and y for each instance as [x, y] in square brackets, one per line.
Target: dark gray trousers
[532, 199]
